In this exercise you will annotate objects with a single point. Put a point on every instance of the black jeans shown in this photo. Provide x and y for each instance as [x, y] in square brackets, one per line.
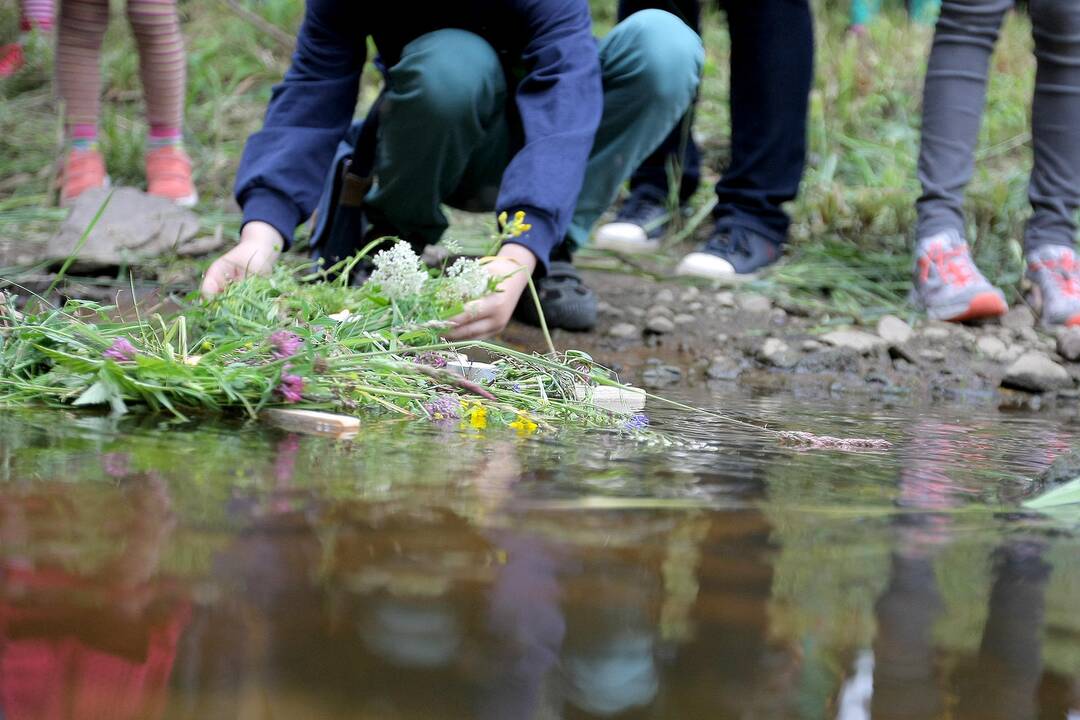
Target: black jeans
[772, 58]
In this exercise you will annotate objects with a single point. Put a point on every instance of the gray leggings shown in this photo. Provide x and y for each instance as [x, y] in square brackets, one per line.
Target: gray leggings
[953, 101]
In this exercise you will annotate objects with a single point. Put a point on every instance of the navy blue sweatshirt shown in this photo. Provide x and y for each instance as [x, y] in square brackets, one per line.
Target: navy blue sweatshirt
[559, 100]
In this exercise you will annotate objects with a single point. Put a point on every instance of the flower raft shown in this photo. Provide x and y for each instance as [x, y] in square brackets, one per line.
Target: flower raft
[299, 339]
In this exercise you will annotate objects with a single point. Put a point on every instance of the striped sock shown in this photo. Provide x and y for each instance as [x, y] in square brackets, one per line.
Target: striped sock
[161, 136]
[37, 15]
[83, 137]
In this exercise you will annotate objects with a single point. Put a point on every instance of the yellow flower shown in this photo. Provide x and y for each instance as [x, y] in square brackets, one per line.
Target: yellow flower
[524, 425]
[207, 345]
[476, 414]
[502, 219]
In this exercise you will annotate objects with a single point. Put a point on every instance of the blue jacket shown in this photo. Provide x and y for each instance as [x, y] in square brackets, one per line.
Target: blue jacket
[559, 100]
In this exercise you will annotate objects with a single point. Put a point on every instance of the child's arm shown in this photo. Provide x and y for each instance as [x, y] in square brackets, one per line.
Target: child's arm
[283, 167]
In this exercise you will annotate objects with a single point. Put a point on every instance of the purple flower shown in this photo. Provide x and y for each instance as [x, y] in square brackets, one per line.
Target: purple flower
[117, 464]
[444, 408]
[121, 351]
[431, 359]
[291, 388]
[284, 344]
[637, 422]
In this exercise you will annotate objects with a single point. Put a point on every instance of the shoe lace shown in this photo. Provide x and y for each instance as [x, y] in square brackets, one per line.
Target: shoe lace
[953, 264]
[1064, 270]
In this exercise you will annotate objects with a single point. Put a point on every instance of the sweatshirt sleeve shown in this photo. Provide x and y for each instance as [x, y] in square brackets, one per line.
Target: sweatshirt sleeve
[284, 164]
[560, 101]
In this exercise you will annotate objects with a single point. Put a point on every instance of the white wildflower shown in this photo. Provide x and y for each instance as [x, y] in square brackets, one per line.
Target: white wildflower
[399, 272]
[465, 279]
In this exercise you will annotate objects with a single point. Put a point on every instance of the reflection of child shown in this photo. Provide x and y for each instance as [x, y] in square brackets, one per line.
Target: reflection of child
[34, 16]
[156, 27]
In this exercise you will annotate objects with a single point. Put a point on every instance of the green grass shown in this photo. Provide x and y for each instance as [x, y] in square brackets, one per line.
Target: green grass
[858, 192]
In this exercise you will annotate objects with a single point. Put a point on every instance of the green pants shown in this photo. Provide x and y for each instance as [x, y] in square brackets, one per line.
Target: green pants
[445, 130]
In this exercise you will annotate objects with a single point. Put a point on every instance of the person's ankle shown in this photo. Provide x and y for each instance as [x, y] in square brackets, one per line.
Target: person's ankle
[163, 137]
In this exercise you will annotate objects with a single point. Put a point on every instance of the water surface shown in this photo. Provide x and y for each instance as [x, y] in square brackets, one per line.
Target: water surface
[227, 570]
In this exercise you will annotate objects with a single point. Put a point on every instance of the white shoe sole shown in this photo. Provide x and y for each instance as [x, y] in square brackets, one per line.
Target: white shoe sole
[625, 238]
[707, 266]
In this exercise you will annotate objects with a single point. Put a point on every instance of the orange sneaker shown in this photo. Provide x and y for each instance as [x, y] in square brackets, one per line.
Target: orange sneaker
[168, 175]
[11, 59]
[83, 170]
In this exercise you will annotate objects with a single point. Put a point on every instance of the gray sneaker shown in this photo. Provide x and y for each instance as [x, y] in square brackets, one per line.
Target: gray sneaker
[948, 286]
[1054, 270]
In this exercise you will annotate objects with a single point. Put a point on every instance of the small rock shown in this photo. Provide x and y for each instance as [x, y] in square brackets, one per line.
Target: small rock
[1068, 344]
[133, 228]
[635, 312]
[1035, 372]
[660, 310]
[723, 368]
[722, 338]
[934, 356]
[659, 325]
[689, 294]
[695, 307]
[1018, 317]
[992, 347]
[685, 319]
[811, 346]
[664, 296]
[605, 308]
[725, 299]
[857, 340]
[624, 331]
[754, 303]
[893, 330]
[1026, 335]
[778, 354]
[659, 375]
[935, 333]
[778, 316]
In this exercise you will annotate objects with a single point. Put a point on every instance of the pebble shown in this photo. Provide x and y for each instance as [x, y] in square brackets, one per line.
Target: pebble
[635, 312]
[664, 296]
[689, 294]
[624, 331]
[695, 306]
[1035, 372]
[754, 303]
[935, 333]
[894, 330]
[1018, 317]
[685, 319]
[811, 346]
[659, 325]
[857, 340]
[1026, 334]
[723, 367]
[778, 353]
[659, 375]
[722, 338]
[992, 347]
[725, 299]
[606, 308]
[934, 356]
[1068, 344]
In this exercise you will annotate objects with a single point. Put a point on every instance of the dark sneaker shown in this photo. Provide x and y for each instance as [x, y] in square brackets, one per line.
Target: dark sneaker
[1054, 270]
[730, 253]
[566, 301]
[641, 222]
[948, 286]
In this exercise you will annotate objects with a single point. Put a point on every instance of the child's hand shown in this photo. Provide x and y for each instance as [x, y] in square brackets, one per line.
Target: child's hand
[490, 314]
[255, 254]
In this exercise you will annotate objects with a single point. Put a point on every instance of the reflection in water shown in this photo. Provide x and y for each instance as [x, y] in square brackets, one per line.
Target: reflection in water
[209, 573]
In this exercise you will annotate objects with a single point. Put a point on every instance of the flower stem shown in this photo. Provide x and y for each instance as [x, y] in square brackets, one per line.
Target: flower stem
[540, 314]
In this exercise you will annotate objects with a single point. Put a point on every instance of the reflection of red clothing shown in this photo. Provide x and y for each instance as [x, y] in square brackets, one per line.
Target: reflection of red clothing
[60, 660]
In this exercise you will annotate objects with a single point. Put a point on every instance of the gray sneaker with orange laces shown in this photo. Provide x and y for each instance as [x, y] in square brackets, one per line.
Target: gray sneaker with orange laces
[948, 286]
[1054, 271]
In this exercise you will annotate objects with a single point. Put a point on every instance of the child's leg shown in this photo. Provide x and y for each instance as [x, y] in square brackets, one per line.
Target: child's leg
[947, 283]
[78, 64]
[953, 100]
[1055, 124]
[163, 68]
[1053, 264]
[78, 80]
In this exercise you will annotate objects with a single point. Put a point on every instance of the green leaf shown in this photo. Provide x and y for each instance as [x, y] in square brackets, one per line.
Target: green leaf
[96, 394]
[1067, 494]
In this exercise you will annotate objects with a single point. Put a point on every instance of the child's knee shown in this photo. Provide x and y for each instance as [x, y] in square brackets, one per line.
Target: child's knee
[669, 55]
[448, 73]
[147, 16]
